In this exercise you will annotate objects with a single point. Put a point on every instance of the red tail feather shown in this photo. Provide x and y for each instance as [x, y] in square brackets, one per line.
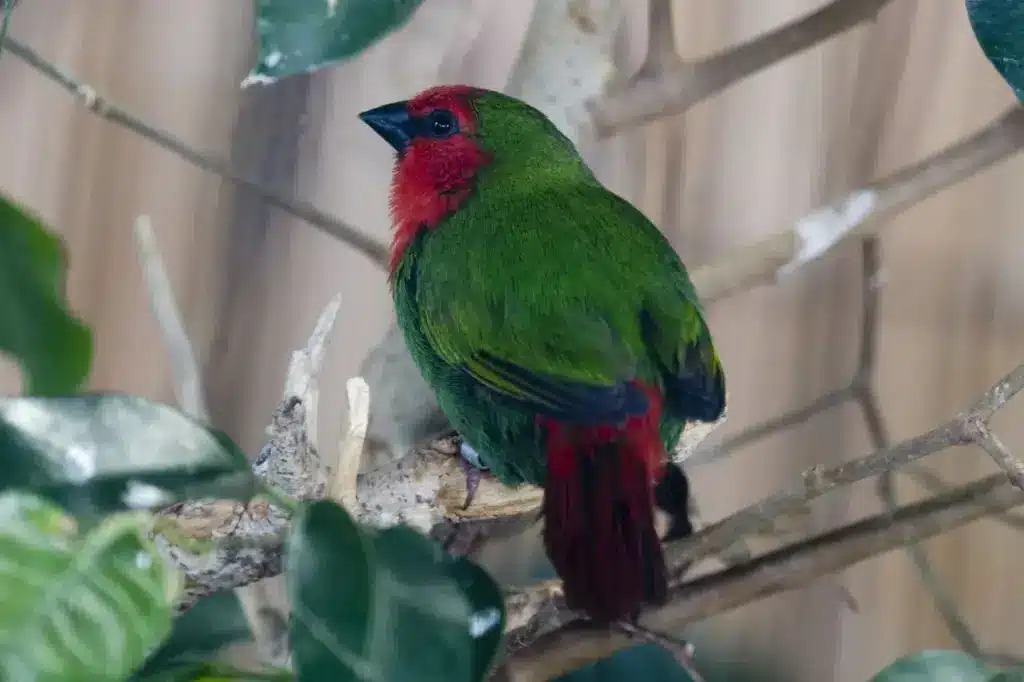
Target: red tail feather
[599, 516]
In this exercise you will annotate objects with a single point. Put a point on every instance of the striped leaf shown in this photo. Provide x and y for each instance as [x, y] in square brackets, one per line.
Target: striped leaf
[78, 607]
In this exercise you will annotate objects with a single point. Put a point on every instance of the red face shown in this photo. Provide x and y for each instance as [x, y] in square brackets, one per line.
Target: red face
[437, 160]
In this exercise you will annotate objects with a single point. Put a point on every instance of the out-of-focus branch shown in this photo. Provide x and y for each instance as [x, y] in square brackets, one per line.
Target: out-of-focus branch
[553, 653]
[672, 91]
[536, 616]
[862, 392]
[817, 481]
[859, 212]
[188, 385]
[99, 105]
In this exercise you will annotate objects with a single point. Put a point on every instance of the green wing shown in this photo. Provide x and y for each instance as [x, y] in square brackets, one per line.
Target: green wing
[563, 308]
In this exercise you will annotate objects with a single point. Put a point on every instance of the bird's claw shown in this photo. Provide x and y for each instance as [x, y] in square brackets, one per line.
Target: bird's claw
[469, 454]
[474, 469]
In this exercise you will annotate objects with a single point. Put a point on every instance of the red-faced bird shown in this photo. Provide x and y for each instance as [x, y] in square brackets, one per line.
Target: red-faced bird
[556, 325]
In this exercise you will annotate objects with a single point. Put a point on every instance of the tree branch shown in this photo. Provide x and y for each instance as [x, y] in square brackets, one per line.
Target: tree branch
[675, 90]
[859, 212]
[100, 106]
[535, 616]
[188, 385]
[570, 647]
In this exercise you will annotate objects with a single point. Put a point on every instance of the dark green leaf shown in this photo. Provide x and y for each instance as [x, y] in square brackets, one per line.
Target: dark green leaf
[643, 662]
[298, 36]
[387, 607]
[78, 608]
[999, 27]
[935, 665]
[220, 672]
[488, 613]
[95, 453]
[53, 348]
[212, 624]
[1012, 675]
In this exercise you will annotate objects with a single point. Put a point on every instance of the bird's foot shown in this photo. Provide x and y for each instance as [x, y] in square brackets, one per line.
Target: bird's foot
[474, 469]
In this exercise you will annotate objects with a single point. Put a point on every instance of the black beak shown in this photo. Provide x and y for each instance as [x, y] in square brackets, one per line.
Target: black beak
[392, 122]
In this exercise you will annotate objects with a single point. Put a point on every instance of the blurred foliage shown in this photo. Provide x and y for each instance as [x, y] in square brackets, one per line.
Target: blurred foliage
[936, 665]
[999, 27]
[299, 36]
[213, 624]
[99, 453]
[716, 663]
[53, 348]
[89, 598]
[78, 607]
[398, 607]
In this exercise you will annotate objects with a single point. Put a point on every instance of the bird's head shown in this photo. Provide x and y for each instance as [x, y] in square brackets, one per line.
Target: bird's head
[447, 138]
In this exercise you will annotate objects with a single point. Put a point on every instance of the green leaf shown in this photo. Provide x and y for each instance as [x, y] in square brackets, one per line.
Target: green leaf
[78, 608]
[298, 36]
[935, 665]
[387, 607]
[487, 606]
[1012, 675]
[211, 625]
[101, 452]
[999, 27]
[53, 348]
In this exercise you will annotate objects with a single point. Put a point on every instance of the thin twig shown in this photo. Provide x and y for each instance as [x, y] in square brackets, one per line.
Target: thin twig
[100, 106]
[188, 385]
[990, 443]
[567, 648]
[818, 481]
[672, 92]
[934, 483]
[342, 484]
[863, 394]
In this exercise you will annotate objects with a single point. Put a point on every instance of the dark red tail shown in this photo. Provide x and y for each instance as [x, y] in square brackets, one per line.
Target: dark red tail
[599, 516]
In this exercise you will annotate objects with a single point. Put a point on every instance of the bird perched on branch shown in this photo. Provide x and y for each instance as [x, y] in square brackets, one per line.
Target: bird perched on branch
[557, 327]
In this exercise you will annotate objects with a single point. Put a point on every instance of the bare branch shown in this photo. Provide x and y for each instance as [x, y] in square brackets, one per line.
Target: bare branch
[104, 108]
[859, 213]
[818, 481]
[342, 485]
[247, 538]
[547, 614]
[673, 91]
[188, 385]
[990, 443]
[557, 652]
[934, 483]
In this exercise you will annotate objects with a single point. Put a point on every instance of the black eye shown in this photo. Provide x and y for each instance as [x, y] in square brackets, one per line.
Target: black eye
[441, 124]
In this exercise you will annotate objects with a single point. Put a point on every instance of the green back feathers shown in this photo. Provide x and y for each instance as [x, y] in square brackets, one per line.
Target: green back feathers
[548, 288]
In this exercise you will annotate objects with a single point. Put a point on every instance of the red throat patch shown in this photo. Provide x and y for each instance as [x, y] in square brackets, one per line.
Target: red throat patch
[433, 178]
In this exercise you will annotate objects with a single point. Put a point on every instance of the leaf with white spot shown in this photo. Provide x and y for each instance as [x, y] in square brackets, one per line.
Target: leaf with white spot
[299, 36]
[102, 452]
[78, 607]
[386, 607]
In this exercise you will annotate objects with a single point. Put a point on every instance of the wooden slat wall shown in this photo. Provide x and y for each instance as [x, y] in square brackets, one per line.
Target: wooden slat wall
[756, 157]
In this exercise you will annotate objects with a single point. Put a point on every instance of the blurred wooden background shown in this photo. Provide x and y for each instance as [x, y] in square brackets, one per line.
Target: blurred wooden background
[251, 280]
